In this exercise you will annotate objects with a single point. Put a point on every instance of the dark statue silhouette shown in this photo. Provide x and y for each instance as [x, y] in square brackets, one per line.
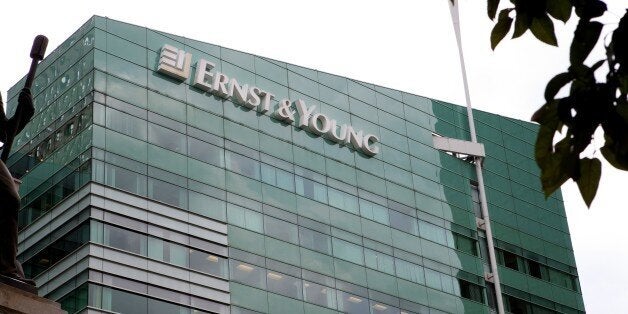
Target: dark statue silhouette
[10, 269]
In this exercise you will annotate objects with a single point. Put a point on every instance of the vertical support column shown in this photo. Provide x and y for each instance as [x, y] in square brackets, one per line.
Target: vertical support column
[453, 8]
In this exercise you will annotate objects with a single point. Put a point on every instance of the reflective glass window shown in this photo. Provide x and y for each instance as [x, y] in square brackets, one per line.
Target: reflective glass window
[432, 232]
[125, 239]
[167, 138]
[350, 303]
[315, 240]
[123, 302]
[403, 222]
[311, 189]
[245, 218]
[208, 263]
[465, 244]
[280, 229]
[342, 200]
[125, 123]
[124, 179]
[205, 152]
[381, 308]
[168, 252]
[284, 284]
[248, 274]
[167, 193]
[471, 291]
[409, 271]
[379, 261]
[348, 251]
[374, 212]
[319, 294]
[242, 165]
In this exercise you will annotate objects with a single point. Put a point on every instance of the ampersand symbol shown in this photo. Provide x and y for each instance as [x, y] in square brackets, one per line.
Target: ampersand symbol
[284, 111]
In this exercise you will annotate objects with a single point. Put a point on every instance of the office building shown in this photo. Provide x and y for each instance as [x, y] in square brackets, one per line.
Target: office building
[167, 175]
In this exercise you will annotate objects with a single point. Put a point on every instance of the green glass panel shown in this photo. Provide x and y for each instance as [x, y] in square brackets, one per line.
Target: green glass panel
[126, 146]
[248, 297]
[242, 185]
[245, 240]
[127, 50]
[413, 292]
[317, 262]
[282, 251]
[350, 272]
[381, 282]
[207, 206]
[126, 91]
[281, 304]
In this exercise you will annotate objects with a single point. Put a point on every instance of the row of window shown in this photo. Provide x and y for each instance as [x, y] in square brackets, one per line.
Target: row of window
[536, 269]
[58, 99]
[55, 189]
[161, 250]
[62, 136]
[56, 251]
[179, 196]
[329, 245]
[133, 123]
[324, 295]
[120, 301]
[345, 201]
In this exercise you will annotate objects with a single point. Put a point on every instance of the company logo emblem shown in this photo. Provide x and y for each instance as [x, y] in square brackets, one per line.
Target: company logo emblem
[174, 62]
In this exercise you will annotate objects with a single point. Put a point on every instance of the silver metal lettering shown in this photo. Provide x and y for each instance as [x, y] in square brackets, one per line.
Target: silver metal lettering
[331, 134]
[354, 138]
[253, 99]
[203, 77]
[284, 112]
[218, 85]
[238, 93]
[319, 124]
[367, 143]
[304, 113]
[266, 98]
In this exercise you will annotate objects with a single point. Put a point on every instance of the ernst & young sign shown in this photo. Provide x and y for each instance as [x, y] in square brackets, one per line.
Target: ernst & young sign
[176, 63]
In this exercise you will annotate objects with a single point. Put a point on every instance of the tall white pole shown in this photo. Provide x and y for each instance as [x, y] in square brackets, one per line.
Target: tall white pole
[453, 8]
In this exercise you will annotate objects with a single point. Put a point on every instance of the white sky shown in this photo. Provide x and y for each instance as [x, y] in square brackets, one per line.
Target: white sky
[406, 45]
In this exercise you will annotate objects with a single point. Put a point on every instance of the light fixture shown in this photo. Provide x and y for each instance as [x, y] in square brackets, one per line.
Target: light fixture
[245, 268]
[274, 276]
[379, 307]
[353, 299]
[212, 258]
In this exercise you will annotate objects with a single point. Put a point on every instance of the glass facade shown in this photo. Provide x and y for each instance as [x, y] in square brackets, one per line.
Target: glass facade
[145, 194]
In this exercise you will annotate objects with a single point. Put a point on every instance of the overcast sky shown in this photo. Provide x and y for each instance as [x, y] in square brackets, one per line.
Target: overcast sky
[406, 45]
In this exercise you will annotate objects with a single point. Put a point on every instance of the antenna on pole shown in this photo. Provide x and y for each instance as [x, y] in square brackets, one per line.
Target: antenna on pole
[494, 275]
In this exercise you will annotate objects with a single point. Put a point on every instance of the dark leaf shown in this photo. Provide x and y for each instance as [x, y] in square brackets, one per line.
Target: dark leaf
[492, 8]
[543, 147]
[522, 24]
[588, 9]
[556, 83]
[547, 116]
[615, 148]
[585, 37]
[590, 173]
[612, 159]
[619, 44]
[543, 29]
[501, 28]
[559, 9]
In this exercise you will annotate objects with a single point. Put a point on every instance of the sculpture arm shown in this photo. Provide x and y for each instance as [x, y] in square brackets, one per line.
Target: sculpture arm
[23, 114]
